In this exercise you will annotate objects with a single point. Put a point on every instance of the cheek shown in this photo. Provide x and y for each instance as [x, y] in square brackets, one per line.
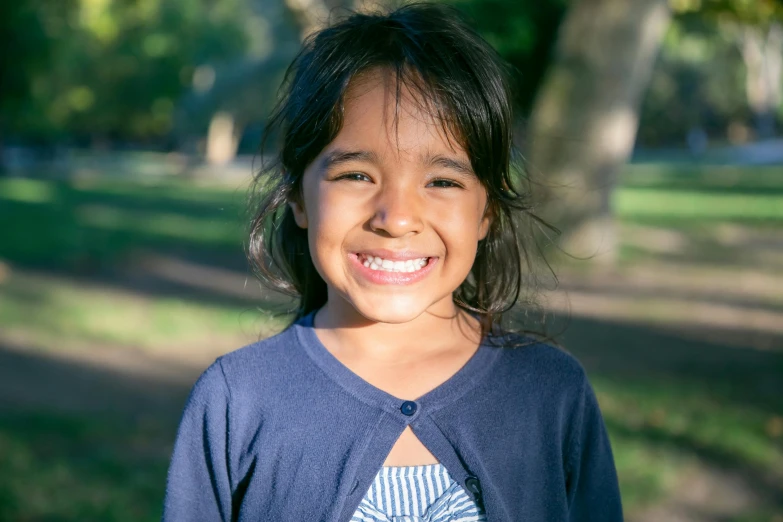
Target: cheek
[464, 217]
[460, 227]
[331, 223]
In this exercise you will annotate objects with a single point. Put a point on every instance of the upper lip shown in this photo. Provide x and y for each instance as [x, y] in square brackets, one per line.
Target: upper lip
[393, 255]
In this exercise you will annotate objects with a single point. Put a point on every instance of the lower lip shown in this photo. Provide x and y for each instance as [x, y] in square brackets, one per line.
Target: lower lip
[382, 277]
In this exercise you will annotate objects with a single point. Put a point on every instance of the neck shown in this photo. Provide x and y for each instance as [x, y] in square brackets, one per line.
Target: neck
[442, 327]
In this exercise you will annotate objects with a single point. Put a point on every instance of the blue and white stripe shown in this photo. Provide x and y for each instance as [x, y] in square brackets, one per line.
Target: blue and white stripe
[416, 494]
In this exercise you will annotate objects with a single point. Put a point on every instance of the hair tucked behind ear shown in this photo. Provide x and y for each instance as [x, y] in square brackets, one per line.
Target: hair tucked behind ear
[461, 80]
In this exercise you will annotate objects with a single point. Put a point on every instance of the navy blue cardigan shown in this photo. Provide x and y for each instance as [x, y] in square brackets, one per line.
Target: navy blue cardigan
[281, 431]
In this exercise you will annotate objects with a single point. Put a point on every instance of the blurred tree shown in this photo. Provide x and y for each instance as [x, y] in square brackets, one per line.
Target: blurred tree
[114, 69]
[232, 93]
[523, 33]
[29, 30]
[586, 115]
[762, 50]
[699, 87]
[756, 26]
[585, 118]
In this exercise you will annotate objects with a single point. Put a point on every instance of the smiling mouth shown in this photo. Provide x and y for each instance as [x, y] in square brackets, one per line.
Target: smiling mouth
[387, 265]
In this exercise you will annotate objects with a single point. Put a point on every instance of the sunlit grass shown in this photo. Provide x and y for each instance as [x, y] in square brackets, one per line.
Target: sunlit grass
[641, 202]
[27, 191]
[95, 223]
[97, 220]
[58, 314]
[704, 176]
[160, 224]
[55, 467]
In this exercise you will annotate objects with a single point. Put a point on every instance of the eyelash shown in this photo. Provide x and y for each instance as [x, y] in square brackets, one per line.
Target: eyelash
[352, 176]
[451, 183]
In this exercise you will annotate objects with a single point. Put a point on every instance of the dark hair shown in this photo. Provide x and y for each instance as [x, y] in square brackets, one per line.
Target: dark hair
[461, 80]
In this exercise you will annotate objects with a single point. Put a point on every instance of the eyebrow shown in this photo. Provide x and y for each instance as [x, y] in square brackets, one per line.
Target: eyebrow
[458, 165]
[339, 156]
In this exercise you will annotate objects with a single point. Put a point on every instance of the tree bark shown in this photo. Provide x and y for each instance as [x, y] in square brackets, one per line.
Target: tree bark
[222, 139]
[586, 116]
[762, 53]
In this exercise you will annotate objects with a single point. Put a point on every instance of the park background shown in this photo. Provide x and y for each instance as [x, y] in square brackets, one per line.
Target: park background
[129, 132]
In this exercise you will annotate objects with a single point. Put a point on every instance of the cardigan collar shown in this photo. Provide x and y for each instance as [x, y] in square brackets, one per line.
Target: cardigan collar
[446, 393]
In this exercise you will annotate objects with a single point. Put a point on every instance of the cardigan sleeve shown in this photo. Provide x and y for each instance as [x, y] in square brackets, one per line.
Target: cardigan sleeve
[198, 486]
[592, 488]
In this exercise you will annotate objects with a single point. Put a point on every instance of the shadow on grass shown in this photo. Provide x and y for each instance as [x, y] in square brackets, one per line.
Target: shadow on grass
[670, 397]
[684, 295]
[93, 442]
[55, 225]
[79, 441]
[635, 355]
[762, 483]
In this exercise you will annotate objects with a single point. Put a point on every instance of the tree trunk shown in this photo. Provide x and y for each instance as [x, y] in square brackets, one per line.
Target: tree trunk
[222, 139]
[586, 116]
[762, 52]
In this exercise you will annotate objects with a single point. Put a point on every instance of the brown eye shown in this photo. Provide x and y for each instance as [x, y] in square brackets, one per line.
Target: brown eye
[444, 183]
[353, 176]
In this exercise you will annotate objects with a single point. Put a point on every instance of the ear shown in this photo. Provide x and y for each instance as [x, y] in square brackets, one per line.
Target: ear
[300, 216]
[486, 221]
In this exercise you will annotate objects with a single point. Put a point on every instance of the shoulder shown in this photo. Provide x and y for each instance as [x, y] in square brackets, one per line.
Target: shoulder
[263, 354]
[537, 376]
[542, 362]
[256, 368]
[544, 378]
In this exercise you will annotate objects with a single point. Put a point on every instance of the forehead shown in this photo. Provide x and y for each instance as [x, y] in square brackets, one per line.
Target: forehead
[391, 116]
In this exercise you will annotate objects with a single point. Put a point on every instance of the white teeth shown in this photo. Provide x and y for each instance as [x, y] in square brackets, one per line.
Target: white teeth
[386, 265]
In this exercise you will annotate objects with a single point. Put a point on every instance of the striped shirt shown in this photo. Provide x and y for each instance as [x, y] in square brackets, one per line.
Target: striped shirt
[417, 494]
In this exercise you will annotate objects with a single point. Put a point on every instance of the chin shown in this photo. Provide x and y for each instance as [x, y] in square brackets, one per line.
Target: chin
[392, 312]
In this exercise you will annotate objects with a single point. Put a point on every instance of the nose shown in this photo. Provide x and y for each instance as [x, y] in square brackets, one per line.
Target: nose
[397, 211]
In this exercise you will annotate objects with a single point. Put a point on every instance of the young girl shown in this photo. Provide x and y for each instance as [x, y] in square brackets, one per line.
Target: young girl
[395, 395]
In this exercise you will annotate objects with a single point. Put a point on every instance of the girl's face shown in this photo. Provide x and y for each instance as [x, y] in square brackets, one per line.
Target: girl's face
[393, 210]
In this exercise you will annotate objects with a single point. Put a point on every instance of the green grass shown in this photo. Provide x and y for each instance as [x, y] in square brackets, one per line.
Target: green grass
[55, 467]
[94, 223]
[98, 222]
[683, 196]
[664, 422]
[689, 205]
[57, 313]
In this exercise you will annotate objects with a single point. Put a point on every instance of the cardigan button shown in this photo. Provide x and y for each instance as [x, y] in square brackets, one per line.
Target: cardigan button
[473, 485]
[408, 408]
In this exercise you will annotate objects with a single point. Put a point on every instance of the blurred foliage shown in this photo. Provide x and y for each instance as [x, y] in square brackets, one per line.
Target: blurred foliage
[753, 12]
[112, 69]
[523, 33]
[88, 72]
[687, 90]
[699, 83]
